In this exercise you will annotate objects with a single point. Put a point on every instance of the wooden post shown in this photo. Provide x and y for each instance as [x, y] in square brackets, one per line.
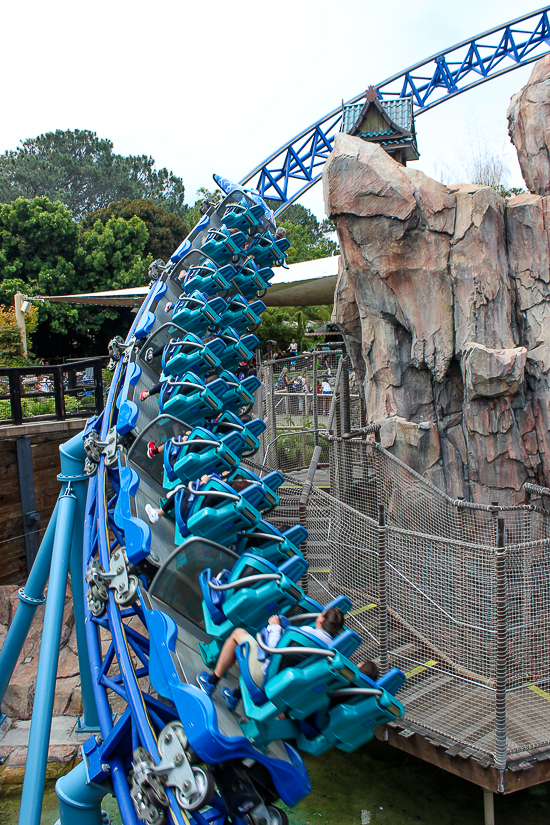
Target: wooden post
[58, 393]
[501, 652]
[18, 300]
[488, 807]
[382, 590]
[15, 396]
[28, 501]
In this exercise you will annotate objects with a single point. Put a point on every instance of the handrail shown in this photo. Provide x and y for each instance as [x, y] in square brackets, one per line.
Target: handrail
[216, 493]
[279, 539]
[245, 580]
[303, 616]
[355, 692]
[308, 651]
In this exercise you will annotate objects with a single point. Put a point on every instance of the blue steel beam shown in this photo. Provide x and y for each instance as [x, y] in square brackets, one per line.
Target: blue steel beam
[295, 167]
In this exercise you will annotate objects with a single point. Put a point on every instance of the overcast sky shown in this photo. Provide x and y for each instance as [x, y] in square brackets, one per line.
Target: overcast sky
[217, 86]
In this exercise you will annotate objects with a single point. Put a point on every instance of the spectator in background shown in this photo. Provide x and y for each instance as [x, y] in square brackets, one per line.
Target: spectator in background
[327, 391]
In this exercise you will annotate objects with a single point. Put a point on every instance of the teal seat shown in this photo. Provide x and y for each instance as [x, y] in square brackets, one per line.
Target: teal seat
[242, 315]
[236, 349]
[249, 280]
[242, 216]
[189, 354]
[219, 514]
[265, 540]
[208, 278]
[246, 597]
[222, 246]
[188, 399]
[202, 453]
[233, 393]
[196, 313]
[228, 423]
[262, 491]
[267, 251]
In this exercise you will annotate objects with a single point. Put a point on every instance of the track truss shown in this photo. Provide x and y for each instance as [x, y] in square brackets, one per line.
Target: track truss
[295, 167]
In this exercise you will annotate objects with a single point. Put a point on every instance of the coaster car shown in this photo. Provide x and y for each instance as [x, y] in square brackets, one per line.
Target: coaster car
[262, 491]
[249, 279]
[208, 278]
[232, 349]
[265, 540]
[241, 315]
[223, 246]
[233, 393]
[188, 399]
[195, 313]
[247, 596]
[243, 216]
[322, 694]
[219, 514]
[188, 354]
[201, 453]
[267, 251]
[228, 422]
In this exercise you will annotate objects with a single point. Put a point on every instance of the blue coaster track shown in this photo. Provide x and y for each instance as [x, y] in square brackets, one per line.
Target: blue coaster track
[295, 167]
[169, 744]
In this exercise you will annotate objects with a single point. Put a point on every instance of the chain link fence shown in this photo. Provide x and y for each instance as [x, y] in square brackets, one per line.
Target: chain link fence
[456, 595]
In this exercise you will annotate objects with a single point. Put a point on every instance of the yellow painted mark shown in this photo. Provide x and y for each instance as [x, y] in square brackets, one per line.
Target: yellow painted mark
[420, 668]
[362, 609]
[320, 570]
[539, 691]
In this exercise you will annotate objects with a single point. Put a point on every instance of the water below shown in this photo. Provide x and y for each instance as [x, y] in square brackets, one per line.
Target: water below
[376, 786]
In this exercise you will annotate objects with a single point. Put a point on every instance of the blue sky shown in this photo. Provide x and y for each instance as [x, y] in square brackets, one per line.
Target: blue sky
[217, 86]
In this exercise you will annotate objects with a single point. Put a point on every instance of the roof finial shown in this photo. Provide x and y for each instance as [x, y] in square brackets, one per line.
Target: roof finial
[372, 94]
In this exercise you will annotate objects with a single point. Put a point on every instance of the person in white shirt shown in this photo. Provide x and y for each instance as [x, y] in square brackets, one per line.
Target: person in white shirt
[293, 348]
[327, 626]
[327, 390]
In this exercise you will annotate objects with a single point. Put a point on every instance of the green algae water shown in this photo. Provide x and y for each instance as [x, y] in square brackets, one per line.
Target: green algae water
[378, 785]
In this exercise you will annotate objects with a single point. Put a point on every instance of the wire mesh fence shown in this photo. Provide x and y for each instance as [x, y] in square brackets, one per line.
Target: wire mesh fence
[433, 591]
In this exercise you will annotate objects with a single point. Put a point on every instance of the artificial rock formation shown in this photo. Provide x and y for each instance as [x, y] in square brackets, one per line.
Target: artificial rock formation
[443, 298]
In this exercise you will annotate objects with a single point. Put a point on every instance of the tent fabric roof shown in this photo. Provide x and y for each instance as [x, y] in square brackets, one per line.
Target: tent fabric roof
[303, 284]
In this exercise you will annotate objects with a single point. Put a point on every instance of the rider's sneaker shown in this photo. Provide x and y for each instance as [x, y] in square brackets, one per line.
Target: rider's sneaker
[203, 681]
[152, 513]
[230, 700]
[152, 449]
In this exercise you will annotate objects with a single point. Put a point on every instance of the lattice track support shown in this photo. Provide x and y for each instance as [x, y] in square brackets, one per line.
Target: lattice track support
[296, 166]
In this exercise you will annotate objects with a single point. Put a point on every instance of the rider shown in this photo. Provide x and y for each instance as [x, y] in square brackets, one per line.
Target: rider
[327, 626]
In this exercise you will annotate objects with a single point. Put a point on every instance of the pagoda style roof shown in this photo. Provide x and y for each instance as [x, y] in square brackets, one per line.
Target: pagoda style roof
[387, 122]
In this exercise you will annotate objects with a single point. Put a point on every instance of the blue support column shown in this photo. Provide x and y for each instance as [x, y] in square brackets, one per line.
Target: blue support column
[79, 800]
[31, 596]
[35, 770]
[72, 471]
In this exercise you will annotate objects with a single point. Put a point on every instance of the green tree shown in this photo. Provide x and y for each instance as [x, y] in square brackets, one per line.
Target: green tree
[309, 239]
[166, 230]
[192, 214]
[81, 171]
[43, 251]
[282, 324]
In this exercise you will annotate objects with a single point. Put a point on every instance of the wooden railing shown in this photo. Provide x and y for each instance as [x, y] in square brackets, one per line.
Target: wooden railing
[51, 392]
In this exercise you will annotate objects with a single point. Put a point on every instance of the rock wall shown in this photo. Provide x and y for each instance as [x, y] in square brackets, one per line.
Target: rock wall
[443, 297]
